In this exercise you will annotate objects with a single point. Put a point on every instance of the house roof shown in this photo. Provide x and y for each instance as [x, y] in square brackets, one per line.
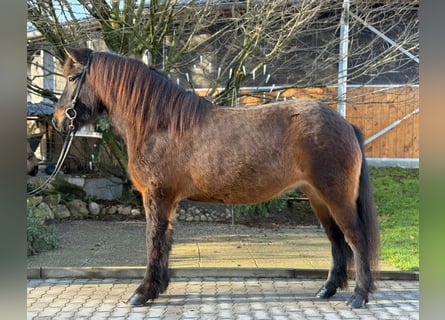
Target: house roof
[39, 109]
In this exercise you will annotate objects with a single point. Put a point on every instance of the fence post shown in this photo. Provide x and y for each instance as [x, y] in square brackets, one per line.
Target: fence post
[343, 59]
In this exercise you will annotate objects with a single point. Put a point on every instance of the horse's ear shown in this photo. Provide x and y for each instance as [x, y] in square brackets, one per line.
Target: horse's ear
[79, 55]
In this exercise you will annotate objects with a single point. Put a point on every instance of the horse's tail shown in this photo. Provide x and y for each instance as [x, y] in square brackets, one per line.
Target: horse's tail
[366, 206]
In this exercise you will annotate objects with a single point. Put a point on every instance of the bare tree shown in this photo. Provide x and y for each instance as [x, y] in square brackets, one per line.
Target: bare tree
[296, 40]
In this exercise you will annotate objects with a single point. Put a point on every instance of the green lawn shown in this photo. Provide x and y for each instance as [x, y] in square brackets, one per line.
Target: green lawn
[396, 193]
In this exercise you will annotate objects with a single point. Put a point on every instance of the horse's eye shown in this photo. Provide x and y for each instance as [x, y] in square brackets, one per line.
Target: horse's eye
[71, 78]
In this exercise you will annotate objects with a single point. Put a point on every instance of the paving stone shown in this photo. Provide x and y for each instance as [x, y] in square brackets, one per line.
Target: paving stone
[261, 314]
[64, 315]
[137, 316]
[100, 316]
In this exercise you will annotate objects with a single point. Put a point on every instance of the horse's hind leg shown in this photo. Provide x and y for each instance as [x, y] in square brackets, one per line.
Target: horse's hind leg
[350, 224]
[341, 253]
[347, 234]
[159, 237]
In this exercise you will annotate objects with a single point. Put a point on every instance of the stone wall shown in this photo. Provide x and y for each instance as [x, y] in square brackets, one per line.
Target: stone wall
[52, 207]
[109, 188]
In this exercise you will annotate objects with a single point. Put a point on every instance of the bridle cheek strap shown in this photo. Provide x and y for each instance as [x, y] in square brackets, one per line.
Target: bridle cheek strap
[71, 109]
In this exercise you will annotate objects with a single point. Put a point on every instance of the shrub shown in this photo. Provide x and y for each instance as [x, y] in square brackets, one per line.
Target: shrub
[40, 237]
[265, 209]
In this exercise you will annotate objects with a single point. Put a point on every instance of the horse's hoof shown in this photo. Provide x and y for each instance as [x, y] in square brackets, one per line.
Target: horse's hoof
[356, 301]
[137, 299]
[325, 293]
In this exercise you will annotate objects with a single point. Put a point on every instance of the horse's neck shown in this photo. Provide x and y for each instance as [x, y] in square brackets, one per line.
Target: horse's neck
[119, 123]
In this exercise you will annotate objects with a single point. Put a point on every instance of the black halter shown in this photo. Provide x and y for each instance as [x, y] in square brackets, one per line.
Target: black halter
[70, 112]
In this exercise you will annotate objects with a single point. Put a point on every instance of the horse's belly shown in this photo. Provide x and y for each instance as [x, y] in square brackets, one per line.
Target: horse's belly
[242, 188]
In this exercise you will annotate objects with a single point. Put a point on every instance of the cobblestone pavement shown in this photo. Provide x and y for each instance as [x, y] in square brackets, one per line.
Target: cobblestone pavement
[215, 298]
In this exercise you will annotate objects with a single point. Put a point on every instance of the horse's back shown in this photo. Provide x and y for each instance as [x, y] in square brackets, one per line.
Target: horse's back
[313, 114]
[307, 123]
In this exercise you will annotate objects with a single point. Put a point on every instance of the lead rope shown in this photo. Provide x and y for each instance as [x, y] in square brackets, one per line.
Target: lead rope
[65, 148]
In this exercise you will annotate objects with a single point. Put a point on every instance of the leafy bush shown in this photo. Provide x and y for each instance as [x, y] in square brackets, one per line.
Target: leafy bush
[265, 209]
[40, 237]
[261, 209]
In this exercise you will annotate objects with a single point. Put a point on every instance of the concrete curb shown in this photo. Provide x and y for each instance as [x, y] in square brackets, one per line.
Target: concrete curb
[132, 272]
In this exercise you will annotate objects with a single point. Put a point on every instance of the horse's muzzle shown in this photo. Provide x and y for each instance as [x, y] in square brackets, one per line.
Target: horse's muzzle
[59, 120]
[56, 124]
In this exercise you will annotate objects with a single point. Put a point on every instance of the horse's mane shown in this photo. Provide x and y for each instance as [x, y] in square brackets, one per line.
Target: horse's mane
[145, 96]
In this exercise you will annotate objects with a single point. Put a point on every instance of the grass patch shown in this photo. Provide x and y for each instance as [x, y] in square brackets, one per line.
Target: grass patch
[396, 192]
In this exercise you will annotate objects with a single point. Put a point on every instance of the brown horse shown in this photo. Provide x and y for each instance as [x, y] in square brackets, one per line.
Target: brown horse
[182, 146]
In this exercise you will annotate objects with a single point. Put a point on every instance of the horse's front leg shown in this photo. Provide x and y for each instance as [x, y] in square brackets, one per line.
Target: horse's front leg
[159, 237]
